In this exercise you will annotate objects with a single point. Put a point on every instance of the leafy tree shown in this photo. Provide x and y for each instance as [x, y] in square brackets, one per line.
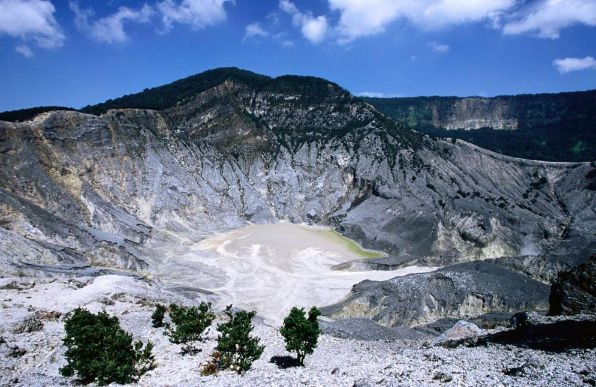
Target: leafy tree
[158, 315]
[236, 349]
[98, 350]
[300, 333]
[189, 324]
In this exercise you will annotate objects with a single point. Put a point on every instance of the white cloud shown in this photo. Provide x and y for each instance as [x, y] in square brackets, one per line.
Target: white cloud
[197, 14]
[24, 50]
[81, 15]
[438, 14]
[548, 17]
[288, 7]
[365, 18]
[567, 65]
[439, 48]
[362, 18]
[110, 29]
[31, 20]
[359, 18]
[255, 30]
[313, 28]
[377, 94]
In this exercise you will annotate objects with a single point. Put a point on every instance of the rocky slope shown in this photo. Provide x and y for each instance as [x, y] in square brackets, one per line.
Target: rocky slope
[86, 194]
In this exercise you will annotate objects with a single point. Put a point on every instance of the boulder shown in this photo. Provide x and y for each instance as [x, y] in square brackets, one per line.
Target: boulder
[462, 330]
[574, 291]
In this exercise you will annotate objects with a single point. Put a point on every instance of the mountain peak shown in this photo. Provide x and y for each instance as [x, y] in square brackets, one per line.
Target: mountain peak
[169, 95]
[166, 96]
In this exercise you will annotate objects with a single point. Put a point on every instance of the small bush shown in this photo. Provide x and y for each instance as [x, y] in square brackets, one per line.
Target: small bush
[189, 324]
[236, 349]
[300, 333]
[98, 350]
[158, 315]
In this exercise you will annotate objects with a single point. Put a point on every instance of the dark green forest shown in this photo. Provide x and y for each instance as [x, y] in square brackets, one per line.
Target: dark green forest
[27, 114]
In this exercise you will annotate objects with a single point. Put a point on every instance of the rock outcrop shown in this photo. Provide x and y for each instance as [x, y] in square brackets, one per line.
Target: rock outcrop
[460, 291]
[574, 291]
[462, 330]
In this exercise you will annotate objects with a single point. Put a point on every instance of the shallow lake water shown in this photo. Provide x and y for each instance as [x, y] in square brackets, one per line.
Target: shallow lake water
[272, 267]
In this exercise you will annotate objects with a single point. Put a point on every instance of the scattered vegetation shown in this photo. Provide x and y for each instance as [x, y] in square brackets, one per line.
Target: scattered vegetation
[301, 333]
[189, 324]
[236, 348]
[158, 316]
[99, 350]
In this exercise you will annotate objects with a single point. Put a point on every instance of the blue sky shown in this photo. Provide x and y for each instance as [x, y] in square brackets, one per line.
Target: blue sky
[80, 52]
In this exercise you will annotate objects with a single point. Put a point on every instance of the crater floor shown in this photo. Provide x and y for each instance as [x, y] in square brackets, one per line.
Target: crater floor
[272, 267]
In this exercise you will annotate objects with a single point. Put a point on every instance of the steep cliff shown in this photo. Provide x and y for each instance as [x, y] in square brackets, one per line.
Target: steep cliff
[81, 193]
[554, 127]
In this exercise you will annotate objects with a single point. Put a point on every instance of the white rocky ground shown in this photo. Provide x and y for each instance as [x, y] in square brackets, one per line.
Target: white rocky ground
[32, 354]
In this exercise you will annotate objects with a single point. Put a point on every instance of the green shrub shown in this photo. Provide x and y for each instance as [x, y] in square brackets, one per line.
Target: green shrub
[189, 324]
[300, 333]
[236, 349]
[158, 315]
[98, 350]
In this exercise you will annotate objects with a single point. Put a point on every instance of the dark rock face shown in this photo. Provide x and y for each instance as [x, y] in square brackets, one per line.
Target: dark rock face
[574, 291]
[528, 330]
[460, 291]
[548, 336]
